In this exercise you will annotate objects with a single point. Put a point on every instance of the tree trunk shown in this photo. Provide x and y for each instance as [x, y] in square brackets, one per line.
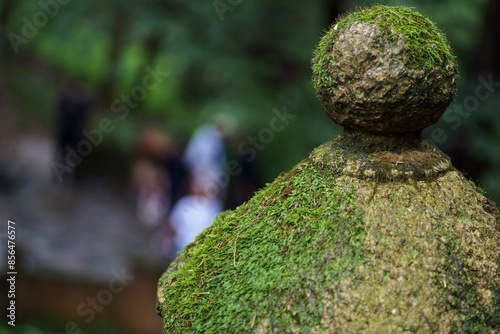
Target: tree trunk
[5, 12]
[118, 30]
[488, 52]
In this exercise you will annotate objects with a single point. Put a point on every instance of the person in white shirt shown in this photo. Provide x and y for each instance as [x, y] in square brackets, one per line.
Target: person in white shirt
[195, 211]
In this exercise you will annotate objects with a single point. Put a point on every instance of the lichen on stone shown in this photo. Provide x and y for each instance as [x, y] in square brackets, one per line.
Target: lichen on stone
[268, 262]
[323, 251]
[385, 69]
[375, 232]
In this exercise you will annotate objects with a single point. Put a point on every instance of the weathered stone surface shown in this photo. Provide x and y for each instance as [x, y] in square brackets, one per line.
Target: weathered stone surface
[371, 73]
[330, 248]
[375, 232]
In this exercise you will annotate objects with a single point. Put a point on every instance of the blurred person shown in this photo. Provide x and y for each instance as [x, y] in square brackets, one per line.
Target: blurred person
[159, 147]
[152, 198]
[74, 109]
[151, 179]
[195, 211]
[206, 155]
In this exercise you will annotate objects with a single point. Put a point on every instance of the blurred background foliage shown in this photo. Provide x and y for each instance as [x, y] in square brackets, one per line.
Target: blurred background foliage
[44, 329]
[242, 58]
[245, 60]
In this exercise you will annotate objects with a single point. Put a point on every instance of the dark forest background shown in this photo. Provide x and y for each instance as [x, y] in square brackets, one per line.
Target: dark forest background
[239, 58]
[243, 59]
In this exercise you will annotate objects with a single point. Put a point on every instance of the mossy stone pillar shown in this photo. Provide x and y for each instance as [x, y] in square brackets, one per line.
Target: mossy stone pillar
[376, 231]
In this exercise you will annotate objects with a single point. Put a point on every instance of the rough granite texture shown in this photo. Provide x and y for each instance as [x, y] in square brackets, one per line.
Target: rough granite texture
[346, 242]
[375, 232]
[372, 72]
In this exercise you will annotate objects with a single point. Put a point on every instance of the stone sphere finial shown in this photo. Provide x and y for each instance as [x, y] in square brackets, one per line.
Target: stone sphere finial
[384, 70]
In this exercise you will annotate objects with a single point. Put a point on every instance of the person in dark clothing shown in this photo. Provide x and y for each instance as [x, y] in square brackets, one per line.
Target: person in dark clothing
[74, 108]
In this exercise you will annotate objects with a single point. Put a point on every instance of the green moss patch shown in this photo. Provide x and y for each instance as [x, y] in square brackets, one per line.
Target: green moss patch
[490, 207]
[324, 249]
[432, 263]
[476, 304]
[425, 45]
[360, 160]
[266, 264]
